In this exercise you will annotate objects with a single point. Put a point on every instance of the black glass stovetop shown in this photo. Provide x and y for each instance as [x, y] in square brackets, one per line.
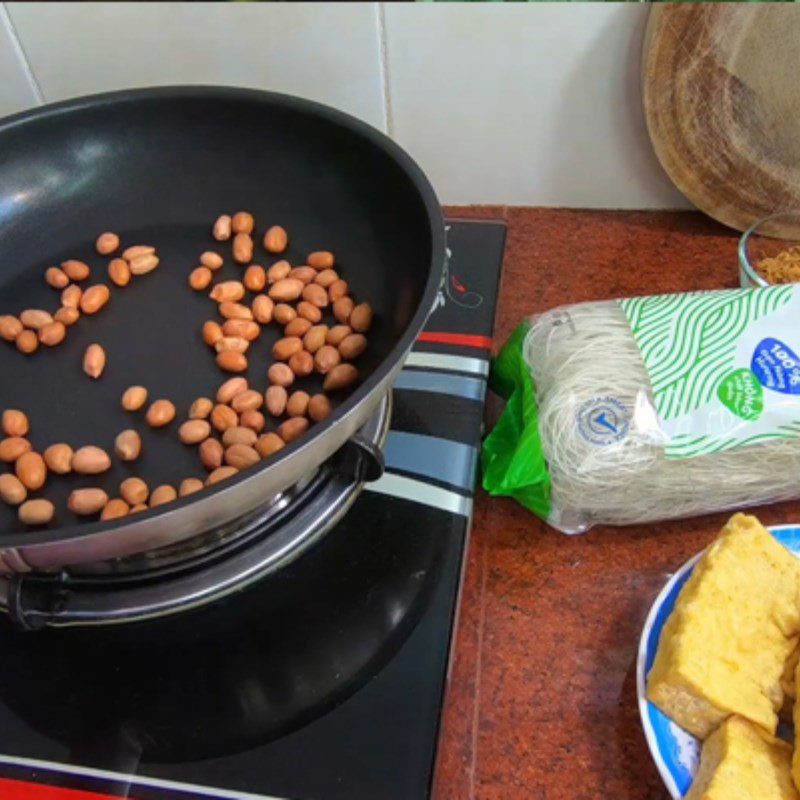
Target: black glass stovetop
[321, 682]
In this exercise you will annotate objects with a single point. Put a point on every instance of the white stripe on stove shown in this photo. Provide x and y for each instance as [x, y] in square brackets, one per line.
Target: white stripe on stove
[421, 492]
[134, 780]
[477, 366]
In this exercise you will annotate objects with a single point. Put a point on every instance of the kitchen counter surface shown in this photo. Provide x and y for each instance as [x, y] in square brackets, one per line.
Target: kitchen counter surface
[542, 701]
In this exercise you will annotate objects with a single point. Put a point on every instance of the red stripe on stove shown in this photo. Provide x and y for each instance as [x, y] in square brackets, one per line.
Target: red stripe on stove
[21, 790]
[462, 339]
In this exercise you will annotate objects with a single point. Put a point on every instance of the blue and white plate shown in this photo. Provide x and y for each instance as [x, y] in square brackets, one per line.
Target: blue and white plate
[676, 752]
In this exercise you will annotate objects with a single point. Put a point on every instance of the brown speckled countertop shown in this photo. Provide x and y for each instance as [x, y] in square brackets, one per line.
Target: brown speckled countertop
[542, 700]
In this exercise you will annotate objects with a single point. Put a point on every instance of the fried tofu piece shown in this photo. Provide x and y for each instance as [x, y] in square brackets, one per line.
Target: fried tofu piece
[735, 623]
[741, 762]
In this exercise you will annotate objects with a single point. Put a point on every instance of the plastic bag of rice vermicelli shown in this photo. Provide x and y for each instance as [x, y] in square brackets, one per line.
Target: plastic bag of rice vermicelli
[650, 408]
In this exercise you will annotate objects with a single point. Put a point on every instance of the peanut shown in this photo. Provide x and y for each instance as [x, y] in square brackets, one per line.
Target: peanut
[56, 278]
[252, 419]
[337, 290]
[242, 248]
[235, 311]
[337, 334]
[340, 377]
[222, 228]
[27, 342]
[309, 311]
[58, 458]
[278, 271]
[67, 315]
[284, 314]
[115, 509]
[94, 298]
[128, 445]
[134, 398]
[342, 308]
[36, 512]
[276, 240]
[211, 260]
[75, 270]
[283, 348]
[35, 318]
[12, 490]
[194, 431]
[280, 375]
[319, 407]
[220, 474]
[263, 309]
[245, 328]
[138, 508]
[285, 290]
[134, 491]
[239, 435]
[211, 454]
[316, 295]
[13, 447]
[304, 274]
[119, 272]
[94, 361]
[320, 260]
[162, 495]
[106, 243]
[361, 318]
[71, 296]
[14, 422]
[275, 400]
[255, 278]
[353, 346]
[90, 460]
[230, 388]
[292, 428]
[301, 363]
[223, 417]
[189, 486]
[315, 338]
[326, 358]
[242, 222]
[247, 401]
[85, 502]
[141, 265]
[268, 444]
[241, 456]
[31, 470]
[200, 278]
[212, 332]
[10, 327]
[235, 343]
[53, 334]
[227, 292]
[201, 408]
[297, 406]
[137, 251]
[297, 327]
[231, 361]
[326, 278]
[160, 413]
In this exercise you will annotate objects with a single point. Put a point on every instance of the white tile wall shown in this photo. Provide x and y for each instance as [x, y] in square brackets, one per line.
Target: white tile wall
[525, 104]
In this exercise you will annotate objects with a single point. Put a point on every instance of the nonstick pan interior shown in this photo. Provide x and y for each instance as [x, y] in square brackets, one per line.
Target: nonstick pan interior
[157, 167]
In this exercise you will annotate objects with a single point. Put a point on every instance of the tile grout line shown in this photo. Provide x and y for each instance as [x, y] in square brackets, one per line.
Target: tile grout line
[5, 18]
[384, 57]
[476, 711]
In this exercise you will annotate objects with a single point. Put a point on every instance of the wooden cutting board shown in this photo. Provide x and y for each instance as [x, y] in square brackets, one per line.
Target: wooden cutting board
[721, 87]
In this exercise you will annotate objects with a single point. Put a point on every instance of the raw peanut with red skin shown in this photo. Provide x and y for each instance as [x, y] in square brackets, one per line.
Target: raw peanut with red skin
[283, 349]
[221, 474]
[71, 296]
[67, 315]
[283, 314]
[242, 248]
[13, 447]
[275, 400]
[31, 470]
[245, 328]
[86, 502]
[321, 259]
[304, 274]
[340, 377]
[90, 460]
[115, 509]
[119, 272]
[241, 456]
[252, 419]
[247, 401]
[15, 422]
[231, 361]
[200, 278]
[242, 222]
[56, 278]
[137, 251]
[315, 338]
[286, 290]
[361, 318]
[297, 405]
[316, 295]
[94, 298]
[297, 327]
[319, 407]
[255, 279]
[58, 458]
[239, 435]
[353, 346]
[292, 428]
[222, 228]
[278, 271]
[211, 454]
[106, 243]
[211, 260]
[223, 417]
[12, 490]
[263, 309]
[280, 375]
[142, 265]
[337, 334]
[134, 491]
[326, 278]
[234, 311]
[301, 363]
[53, 334]
[94, 361]
[36, 512]
[230, 388]
[128, 445]
[35, 318]
[228, 292]
[276, 240]
[326, 358]
[212, 332]
[138, 508]
[235, 343]
[189, 486]
[194, 431]
[268, 444]
[160, 413]
[201, 408]
[337, 290]
[162, 495]
[27, 342]
[76, 270]
[134, 398]
[309, 311]
[342, 309]
[10, 327]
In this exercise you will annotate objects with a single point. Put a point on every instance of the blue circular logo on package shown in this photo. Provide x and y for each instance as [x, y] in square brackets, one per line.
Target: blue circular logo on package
[603, 420]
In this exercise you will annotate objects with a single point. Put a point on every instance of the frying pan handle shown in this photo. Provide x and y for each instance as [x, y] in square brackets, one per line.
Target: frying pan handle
[362, 459]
